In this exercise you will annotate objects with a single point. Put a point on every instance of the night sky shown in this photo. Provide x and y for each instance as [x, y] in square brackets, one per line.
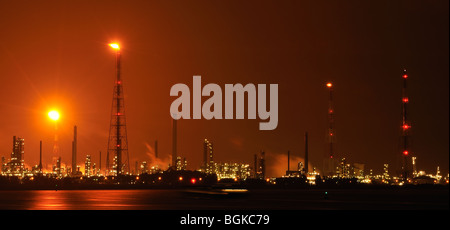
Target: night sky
[55, 54]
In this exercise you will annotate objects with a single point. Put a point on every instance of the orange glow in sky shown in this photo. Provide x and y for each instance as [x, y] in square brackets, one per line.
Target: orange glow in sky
[54, 59]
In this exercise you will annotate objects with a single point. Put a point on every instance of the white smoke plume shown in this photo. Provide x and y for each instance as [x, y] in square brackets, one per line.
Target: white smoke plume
[161, 163]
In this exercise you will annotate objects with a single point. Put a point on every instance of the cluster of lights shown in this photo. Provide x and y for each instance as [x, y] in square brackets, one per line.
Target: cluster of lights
[55, 115]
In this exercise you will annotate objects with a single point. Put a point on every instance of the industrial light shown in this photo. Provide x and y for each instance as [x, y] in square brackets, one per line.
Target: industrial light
[54, 115]
[115, 46]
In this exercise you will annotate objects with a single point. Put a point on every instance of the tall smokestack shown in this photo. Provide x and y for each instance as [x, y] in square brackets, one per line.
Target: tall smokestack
[262, 165]
[289, 169]
[205, 155]
[74, 150]
[100, 163]
[174, 143]
[306, 152]
[107, 163]
[156, 149]
[40, 156]
[256, 165]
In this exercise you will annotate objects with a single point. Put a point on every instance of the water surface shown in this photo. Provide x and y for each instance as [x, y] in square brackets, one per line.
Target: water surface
[254, 200]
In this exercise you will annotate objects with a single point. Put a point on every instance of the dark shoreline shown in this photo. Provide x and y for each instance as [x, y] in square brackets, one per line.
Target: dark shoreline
[243, 186]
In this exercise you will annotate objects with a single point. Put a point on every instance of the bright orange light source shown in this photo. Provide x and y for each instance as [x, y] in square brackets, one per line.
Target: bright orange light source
[180, 178]
[329, 85]
[54, 115]
[115, 46]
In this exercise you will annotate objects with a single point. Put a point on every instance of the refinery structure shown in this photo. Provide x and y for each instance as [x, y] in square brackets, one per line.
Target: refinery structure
[334, 168]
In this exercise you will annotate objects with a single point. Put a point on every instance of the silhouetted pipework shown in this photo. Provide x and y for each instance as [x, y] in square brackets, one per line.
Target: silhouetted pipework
[156, 149]
[100, 163]
[74, 151]
[260, 165]
[40, 157]
[208, 156]
[174, 144]
[288, 158]
[306, 153]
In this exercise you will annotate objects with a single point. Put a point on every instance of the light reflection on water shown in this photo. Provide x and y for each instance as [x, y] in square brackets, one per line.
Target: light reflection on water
[84, 199]
[150, 199]
[80, 199]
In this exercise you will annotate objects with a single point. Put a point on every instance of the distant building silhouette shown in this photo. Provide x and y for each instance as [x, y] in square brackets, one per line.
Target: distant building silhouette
[174, 144]
[16, 164]
[74, 150]
[232, 171]
[260, 164]
[306, 169]
[208, 157]
[87, 166]
[181, 164]
[386, 172]
[57, 172]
